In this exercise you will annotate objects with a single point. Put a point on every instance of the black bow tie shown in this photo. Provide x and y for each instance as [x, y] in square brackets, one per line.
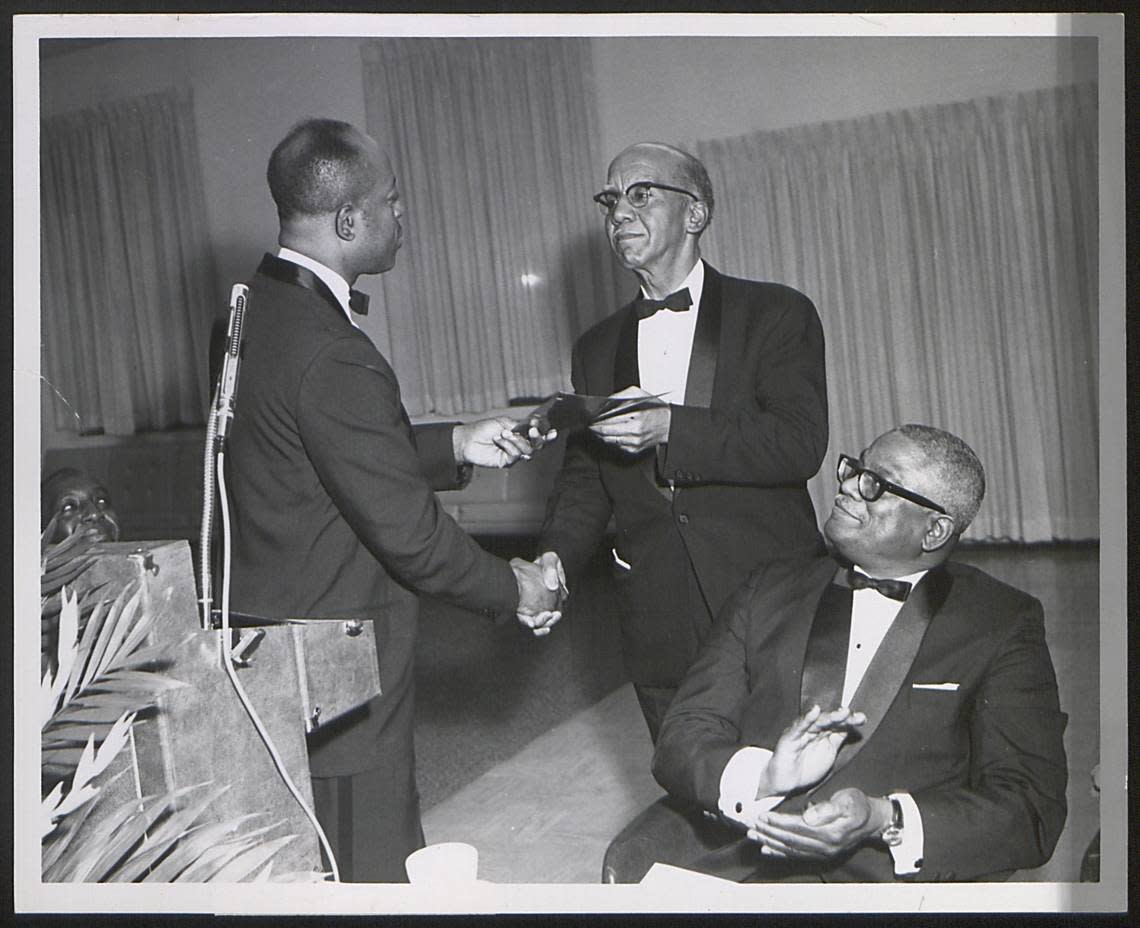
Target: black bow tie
[677, 301]
[358, 302]
[892, 589]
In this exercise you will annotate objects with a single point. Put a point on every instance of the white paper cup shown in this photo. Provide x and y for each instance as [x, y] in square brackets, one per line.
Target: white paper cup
[448, 862]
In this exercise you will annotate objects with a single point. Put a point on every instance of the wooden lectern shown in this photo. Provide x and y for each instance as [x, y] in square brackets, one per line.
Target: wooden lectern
[297, 675]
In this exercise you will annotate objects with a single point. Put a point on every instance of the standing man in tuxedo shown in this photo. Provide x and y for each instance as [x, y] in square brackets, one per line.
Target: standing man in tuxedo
[713, 481]
[893, 715]
[334, 514]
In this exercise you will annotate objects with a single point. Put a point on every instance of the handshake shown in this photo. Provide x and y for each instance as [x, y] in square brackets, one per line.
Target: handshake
[542, 591]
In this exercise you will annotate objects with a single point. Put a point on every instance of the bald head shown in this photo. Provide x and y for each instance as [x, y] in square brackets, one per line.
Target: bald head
[685, 170]
[952, 467]
[321, 165]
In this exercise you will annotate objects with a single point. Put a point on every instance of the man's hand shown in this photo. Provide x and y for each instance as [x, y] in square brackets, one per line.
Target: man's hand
[832, 827]
[553, 574]
[806, 750]
[633, 432]
[494, 443]
[538, 605]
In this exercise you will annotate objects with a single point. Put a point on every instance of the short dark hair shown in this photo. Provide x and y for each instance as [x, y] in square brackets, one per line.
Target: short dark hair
[319, 166]
[49, 489]
[956, 469]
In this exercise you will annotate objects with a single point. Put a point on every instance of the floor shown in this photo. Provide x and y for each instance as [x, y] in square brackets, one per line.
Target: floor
[534, 750]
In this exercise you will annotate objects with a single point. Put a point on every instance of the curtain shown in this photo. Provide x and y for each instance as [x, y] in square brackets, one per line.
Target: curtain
[952, 253]
[494, 147]
[128, 284]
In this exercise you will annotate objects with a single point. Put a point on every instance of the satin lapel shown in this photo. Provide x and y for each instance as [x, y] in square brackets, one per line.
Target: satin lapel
[892, 662]
[289, 273]
[706, 344]
[626, 372]
[825, 657]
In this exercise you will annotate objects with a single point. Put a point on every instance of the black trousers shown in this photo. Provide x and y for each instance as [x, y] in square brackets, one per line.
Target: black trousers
[371, 816]
[654, 701]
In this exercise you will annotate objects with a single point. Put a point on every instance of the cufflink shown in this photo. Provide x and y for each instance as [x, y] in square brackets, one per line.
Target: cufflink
[892, 835]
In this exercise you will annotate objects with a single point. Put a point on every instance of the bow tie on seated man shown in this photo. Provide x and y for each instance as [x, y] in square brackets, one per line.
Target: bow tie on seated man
[921, 738]
[892, 589]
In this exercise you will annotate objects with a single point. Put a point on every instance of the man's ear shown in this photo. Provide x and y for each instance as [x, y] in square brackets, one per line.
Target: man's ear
[345, 219]
[939, 532]
[697, 218]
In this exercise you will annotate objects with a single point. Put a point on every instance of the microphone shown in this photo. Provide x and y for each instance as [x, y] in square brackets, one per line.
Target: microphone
[227, 382]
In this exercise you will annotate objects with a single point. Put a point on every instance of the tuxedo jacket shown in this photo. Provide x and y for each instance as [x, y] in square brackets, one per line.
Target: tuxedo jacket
[961, 705]
[334, 514]
[751, 432]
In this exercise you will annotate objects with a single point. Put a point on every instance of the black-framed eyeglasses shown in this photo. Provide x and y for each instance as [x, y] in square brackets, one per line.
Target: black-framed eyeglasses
[637, 194]
[871, 485]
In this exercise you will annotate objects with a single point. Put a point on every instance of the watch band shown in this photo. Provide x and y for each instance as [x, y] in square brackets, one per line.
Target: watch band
[892, 835]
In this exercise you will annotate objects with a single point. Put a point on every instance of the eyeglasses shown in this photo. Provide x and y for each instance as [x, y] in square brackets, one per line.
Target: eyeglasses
[871, 486]
[637, 194]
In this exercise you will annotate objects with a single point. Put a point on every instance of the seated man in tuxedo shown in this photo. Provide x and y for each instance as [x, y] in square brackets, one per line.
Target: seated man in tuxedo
[836, 727]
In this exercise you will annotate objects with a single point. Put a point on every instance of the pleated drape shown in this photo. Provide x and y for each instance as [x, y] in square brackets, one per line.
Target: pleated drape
[128, 286]
[504, 263]
[952, 253]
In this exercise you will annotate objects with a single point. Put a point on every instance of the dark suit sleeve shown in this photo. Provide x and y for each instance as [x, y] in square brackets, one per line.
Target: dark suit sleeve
[360, 447]
[1012, 812]
[579, 508]
[701, 730]
[437, 456]
[779, 435]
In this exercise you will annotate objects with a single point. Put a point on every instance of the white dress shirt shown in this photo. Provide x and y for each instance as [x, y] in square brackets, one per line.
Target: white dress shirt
[872, 614]
[337, 284]
[665, 341]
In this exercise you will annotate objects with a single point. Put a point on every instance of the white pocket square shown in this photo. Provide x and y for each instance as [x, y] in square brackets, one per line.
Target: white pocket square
[944, 687]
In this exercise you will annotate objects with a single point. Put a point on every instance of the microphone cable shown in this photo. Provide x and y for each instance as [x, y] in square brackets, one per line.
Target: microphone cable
[227, 662]
[217, 429]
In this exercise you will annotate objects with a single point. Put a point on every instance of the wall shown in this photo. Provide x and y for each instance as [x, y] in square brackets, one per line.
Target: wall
[707, 88]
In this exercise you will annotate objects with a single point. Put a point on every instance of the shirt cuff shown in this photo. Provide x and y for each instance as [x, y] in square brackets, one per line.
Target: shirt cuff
[908, 853]
[739, 782]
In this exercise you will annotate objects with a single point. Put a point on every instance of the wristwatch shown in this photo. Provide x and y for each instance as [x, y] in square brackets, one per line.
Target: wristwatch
[892, 835]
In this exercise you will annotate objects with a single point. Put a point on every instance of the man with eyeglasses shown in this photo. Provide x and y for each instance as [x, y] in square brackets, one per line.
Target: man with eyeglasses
[711, 481]
[891, 715]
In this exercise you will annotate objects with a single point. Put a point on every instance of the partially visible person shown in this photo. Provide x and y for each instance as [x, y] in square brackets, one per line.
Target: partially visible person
[713, 482]
[72, 500]
[891, 716]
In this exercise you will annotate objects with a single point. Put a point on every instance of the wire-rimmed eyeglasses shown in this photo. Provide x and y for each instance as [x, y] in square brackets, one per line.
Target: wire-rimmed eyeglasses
[871, 485]
[637, 194]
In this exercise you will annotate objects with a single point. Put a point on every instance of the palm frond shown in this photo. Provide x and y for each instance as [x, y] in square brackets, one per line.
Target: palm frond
[104, 672]
[188, 849]
[60, 840]
[121, 613]
[249, 860]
